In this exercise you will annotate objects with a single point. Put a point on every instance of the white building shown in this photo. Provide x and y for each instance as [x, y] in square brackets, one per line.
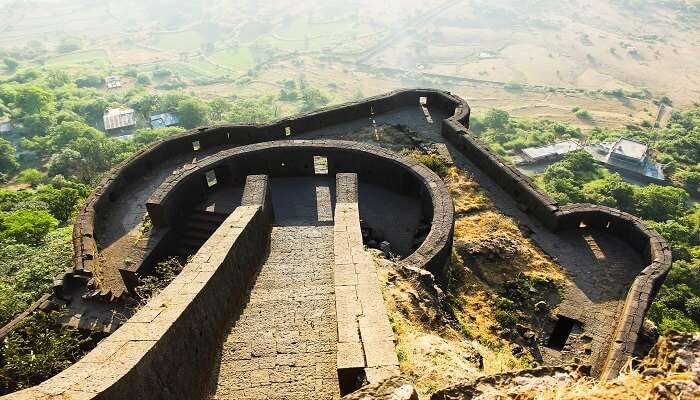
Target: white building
[113, 82]
[551, 152]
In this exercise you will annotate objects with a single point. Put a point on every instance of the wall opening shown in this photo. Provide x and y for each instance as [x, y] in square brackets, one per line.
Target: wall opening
[423, 102]
[196, 146]
[320, 165]
[351, 379]
[560, 334]
[211, 178]
[287, 131]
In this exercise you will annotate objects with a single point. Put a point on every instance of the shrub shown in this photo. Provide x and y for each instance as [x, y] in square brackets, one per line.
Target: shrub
[38, 350]
[26, 226]
[436, 164]
[31, 176]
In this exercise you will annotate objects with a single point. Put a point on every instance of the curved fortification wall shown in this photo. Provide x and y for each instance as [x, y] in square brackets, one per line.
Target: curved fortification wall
[147, 348]
[185, 188]
[654, 249]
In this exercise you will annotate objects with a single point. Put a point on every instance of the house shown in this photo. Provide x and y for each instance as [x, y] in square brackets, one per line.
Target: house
[628, 151]
[118, 118]
[629, 158]
[5, 126]
[164, 119]
[113, 82]
[551, 152]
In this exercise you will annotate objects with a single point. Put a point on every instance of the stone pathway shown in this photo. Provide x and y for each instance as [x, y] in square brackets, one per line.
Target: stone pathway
[283, 345]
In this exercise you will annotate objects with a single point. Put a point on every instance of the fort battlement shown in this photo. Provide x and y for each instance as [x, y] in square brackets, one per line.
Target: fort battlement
[187, 173]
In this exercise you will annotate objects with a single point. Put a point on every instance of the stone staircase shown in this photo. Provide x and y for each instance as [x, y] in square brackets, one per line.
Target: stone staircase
[199, 227]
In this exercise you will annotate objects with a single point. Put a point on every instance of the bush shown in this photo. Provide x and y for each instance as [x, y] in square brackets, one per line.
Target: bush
[584, 115]
[150, 285]
[31, 176]
[26, 226]
[38, 350]
[436, 164]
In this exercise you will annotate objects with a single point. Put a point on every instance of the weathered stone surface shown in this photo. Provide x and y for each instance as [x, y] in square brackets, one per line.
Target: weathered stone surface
[394, 388]
[364, 332]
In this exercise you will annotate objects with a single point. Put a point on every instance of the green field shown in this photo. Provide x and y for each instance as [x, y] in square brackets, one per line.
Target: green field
[179, 41]
[301, 35]
[239, 59]
[89, 58]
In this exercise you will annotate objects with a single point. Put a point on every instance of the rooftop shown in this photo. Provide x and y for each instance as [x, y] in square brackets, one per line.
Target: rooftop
[559, 148]
[629, 148]
[164, 119]
[116, 118]
[113, 82]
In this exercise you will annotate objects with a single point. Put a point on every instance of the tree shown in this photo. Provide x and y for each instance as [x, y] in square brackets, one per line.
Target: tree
[11, 64]
[252, 112]
[68, 45]
[660, 203]
[145, 103]
[218, 107]
[57, 78]
[26, 226]
[8, 162]
[192, 113]
[61, 202]
[313, 99]
[91, 80]
[34, 99]
[143, 79]
[611, 191]
[31, 176]
[496, 119]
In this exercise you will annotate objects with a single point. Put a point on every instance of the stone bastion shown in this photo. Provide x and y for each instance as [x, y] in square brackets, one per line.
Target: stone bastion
[169, 347]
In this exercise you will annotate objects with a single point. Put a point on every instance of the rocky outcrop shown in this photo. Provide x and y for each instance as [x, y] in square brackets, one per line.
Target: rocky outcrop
[676, 353]
[394, 388]
[509, 383]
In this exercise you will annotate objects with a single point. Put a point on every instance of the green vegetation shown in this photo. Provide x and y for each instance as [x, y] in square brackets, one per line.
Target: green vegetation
[576, 179]
[239, 58]
[506, 135]
[436, 164]
[676, 147]
[38, 350]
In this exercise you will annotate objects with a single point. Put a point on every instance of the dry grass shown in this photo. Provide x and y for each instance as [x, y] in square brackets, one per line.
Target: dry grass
[629, 385]
[466, 194]
[526, 257]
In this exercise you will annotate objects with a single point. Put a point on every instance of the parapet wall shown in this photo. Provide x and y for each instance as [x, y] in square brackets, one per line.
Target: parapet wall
[654, 250]
[365, 337]
[167, 349]
[186, 187]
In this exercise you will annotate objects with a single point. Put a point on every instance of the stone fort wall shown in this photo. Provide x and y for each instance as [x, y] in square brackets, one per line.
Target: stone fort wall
[455, 129]
[185, 188]
[166, 350]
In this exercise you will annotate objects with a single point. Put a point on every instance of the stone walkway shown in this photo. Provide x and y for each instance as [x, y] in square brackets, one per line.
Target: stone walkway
[283, 345]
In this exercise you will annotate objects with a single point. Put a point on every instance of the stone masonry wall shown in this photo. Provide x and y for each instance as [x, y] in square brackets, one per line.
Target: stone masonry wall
[647, 242]
[282, 158]
[365, 337]
[167, 349]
